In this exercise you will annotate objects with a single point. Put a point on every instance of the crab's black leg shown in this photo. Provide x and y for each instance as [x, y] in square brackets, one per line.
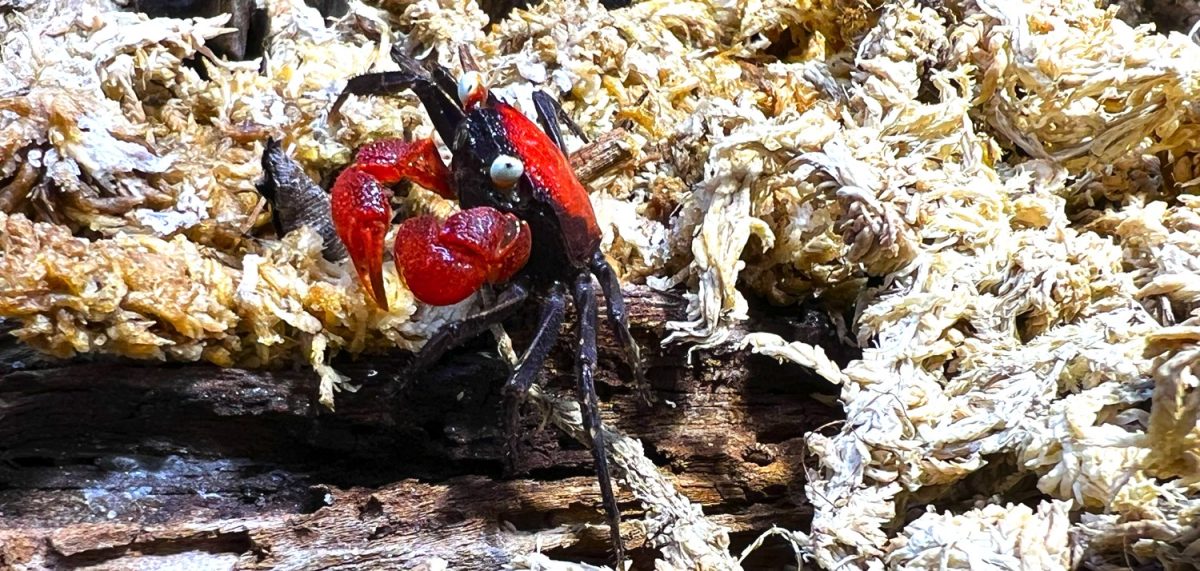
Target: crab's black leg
[544, 105]
[443, 110]
[454, 334]
[554, 310]
[549, 113]
[618, 319]
[296, 200]
[446, 82]
[440, 76]
[585, 367]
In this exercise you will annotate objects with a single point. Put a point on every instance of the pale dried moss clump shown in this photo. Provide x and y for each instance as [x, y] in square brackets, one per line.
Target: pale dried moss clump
[992, 199]
[146, 297]
[1018, 331]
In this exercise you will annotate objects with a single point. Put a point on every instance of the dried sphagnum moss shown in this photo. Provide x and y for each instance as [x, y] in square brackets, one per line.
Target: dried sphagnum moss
[1014, 177]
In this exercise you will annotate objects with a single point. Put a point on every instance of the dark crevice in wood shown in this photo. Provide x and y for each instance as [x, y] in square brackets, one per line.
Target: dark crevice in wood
[232, 542]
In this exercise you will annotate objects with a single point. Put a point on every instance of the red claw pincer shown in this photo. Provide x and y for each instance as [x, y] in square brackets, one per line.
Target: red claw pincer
[362, 216]
[360, 208]
[444, 262]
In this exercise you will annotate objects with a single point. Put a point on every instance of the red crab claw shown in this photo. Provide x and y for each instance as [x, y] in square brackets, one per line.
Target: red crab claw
[362, 213]
[443, 263]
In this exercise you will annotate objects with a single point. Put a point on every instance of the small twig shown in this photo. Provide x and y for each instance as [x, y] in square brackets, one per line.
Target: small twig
[605, 154]
[259, 206]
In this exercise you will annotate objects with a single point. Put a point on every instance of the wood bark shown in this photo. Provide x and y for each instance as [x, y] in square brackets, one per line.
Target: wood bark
[126, 465]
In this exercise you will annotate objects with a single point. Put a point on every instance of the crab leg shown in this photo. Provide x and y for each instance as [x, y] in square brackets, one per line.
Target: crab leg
[440, 75]
[443, 110]
[554, 310]
[360, 207]
[455, 334]
[618, 319]
[549, 113]
[585, 366]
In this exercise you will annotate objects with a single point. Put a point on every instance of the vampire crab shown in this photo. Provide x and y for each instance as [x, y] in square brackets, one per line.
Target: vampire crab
[526, 231]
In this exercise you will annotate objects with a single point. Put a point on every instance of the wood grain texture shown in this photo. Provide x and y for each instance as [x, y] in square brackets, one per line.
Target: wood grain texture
[119, 465]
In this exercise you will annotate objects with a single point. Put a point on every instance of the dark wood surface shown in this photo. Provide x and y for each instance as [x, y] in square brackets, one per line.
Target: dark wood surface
[127, 465]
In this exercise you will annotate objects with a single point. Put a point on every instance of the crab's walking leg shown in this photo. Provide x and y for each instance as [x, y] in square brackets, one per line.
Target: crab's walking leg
[360, 206]
[443, 111]
[296, 200]
[440, 76]
[549, 113]
[455, 334]
[618, 320]
[554, 310]
[585, 367]
[446, 82]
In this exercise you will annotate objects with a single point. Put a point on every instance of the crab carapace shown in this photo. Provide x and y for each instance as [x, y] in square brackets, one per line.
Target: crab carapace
[526, 229]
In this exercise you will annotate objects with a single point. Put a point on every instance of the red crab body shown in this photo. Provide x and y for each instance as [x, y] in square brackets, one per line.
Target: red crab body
[526, 228]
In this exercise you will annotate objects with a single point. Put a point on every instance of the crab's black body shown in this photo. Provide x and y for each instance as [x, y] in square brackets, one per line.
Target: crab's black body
[480, 138]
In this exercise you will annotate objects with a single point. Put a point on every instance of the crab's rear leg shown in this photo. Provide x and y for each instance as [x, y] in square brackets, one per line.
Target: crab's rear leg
[360, 205]
[618, 320]
[437, 73]
[585, 367]
[554, 310]
[550, 112]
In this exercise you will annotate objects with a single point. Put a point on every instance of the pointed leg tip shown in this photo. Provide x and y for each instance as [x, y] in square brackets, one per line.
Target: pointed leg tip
[335, 111]
[618, 553]
[646, 396]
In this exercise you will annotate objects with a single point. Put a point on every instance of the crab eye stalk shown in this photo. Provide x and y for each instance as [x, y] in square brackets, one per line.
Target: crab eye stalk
[471, 90]
[506, 171]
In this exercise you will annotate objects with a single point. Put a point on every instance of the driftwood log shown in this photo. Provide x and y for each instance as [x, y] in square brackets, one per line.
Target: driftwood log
[122, 465]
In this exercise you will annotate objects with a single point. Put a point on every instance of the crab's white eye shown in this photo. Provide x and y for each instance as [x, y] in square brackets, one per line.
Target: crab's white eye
[470, 82]
[506, 170]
